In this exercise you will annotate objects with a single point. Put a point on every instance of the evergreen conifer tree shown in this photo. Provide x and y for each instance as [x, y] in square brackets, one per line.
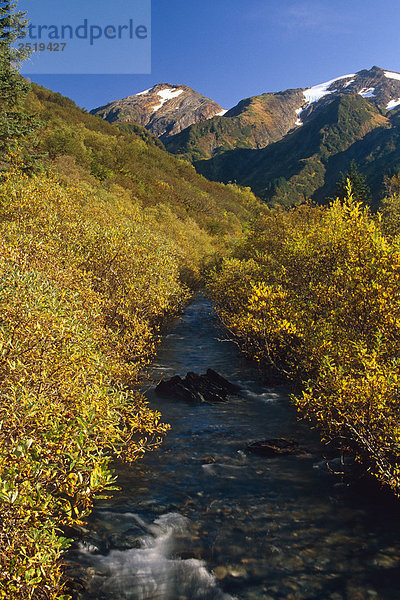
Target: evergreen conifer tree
[16, 124]
[359, 187]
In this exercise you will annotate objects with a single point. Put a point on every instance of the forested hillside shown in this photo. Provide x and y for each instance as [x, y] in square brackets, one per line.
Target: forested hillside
[307, 163]
[131, 164]
[293, 145]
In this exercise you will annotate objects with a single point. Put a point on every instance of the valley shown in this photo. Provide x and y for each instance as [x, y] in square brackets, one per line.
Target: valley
[200, 312]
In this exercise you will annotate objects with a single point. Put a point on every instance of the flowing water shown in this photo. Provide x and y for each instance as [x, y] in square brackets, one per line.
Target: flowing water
[201, 520]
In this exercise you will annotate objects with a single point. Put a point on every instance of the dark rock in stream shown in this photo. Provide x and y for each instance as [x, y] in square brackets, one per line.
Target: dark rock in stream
[195, 388]
[223, 383]
[274, 447]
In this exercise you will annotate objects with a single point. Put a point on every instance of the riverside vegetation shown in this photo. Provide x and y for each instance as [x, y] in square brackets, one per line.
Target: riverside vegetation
[102, 237]
[314, 293]
[88, 274]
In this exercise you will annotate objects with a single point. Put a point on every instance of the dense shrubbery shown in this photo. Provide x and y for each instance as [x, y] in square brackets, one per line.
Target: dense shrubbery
[315, 293]
[82, 290]
[96, 250]
[94, 255]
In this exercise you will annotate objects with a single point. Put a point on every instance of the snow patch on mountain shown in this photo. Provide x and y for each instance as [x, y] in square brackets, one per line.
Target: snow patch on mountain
[315, 93]
[144, 92]
[393, 104]
[349, 83]
[391, 75]
[367, 92]
[166, 95]
[298, 113]
[221, 114]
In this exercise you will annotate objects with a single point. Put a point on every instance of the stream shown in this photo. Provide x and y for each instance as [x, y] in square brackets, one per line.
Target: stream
[199, 519]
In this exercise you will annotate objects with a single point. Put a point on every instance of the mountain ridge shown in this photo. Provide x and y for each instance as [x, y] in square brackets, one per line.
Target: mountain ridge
[281, 111]
[295, 168]
[164, 110]
[285, 146]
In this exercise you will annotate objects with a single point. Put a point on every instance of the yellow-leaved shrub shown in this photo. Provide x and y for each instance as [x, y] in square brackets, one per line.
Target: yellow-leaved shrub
[314, 292]
[83, 288]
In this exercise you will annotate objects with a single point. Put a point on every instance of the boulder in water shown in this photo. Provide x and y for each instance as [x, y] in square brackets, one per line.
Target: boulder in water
[195, 388]
[175, 388]
[338, 466]
[274, 447]
[223, 383]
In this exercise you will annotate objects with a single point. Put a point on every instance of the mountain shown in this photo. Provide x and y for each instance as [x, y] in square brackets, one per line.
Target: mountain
[260, 120]
[307, 162]
[293, 144]
[353, 117]
[164, 110]
[254, 123]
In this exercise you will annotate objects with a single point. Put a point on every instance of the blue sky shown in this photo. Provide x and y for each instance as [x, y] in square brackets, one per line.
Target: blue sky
[232, 49]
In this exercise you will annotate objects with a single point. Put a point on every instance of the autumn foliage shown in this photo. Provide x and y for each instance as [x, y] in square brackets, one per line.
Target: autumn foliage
[314, 293]
[83, 290]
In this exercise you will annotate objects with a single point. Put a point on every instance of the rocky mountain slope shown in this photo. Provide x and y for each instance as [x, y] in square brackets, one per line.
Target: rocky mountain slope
[164, 110]
[354, 117]
[254, 123]
[260, 120]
